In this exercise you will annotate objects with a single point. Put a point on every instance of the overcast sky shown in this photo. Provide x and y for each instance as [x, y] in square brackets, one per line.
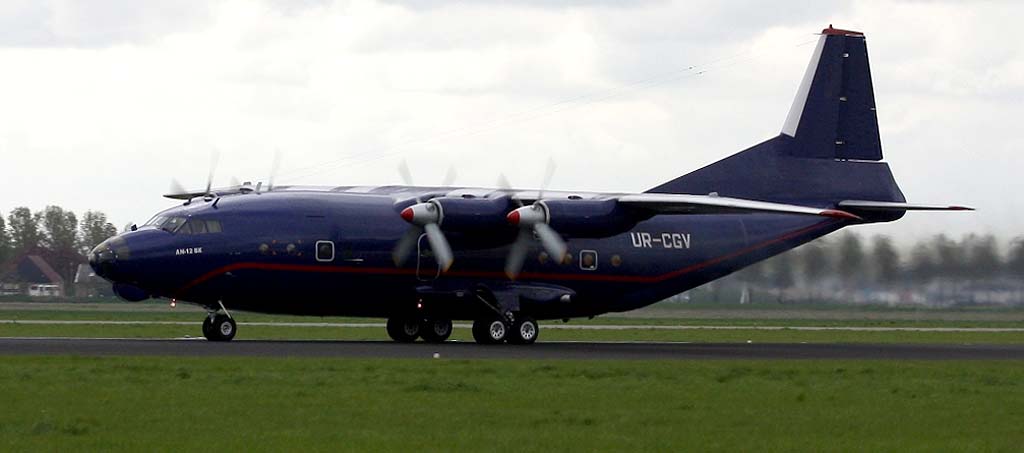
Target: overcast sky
[102, 102]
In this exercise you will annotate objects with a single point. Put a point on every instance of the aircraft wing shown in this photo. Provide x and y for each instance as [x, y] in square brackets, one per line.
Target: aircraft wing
[710, 204]
[891, 206]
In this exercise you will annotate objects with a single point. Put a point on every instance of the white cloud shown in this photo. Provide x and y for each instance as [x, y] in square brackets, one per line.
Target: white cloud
[103, 105]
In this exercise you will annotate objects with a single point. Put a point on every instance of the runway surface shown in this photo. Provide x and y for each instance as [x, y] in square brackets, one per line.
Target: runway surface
[546, 326]
[544, 350]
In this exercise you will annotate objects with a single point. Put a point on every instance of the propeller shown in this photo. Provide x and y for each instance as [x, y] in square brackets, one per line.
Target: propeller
[425, 217]
[533, 222]
[177, 188]
[214, 157]
[274, 166]
[403, 171]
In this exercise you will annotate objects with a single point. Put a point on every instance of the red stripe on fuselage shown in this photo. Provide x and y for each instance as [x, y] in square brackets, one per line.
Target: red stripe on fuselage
[501, 275]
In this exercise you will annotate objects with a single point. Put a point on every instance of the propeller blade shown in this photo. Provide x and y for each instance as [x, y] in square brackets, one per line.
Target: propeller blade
[503, 183]
[176, 187]
[403, 171]
[439, 244]
[214, 157]
[517, 254]
[505, 186]
[549, 173]
[274, 166]
[551, 241]
[449, 177]
[406, 245]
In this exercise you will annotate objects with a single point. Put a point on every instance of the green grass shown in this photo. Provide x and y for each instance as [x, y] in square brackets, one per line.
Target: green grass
[237, 404]
[462, 334]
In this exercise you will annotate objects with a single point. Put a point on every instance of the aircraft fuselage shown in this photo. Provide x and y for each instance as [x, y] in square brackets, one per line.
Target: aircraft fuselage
[265, 258]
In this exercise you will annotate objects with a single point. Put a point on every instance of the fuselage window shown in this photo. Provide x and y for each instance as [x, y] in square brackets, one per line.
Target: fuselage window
[324, 251]
[588, 260]
[198, 226]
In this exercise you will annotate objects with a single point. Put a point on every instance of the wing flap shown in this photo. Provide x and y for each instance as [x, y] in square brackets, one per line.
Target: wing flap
[709, 204]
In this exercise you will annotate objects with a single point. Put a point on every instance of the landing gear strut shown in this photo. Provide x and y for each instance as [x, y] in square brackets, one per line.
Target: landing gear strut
[219, 326]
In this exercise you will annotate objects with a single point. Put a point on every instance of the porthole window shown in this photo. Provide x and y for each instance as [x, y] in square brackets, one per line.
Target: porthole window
[324, 251]
[588, 260]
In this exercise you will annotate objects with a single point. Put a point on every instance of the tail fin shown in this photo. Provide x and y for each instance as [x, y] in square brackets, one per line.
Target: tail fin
[829, 147]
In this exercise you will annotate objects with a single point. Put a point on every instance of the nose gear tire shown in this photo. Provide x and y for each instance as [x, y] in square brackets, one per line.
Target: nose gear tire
[221, 328]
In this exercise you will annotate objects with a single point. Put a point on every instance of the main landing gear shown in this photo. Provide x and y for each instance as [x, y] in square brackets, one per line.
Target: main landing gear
[522, 330]
[219, 326]
[493, 330]
[407, 330]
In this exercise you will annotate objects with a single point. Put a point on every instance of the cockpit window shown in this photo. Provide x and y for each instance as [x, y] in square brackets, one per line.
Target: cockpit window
[198, 226]
[172, 224]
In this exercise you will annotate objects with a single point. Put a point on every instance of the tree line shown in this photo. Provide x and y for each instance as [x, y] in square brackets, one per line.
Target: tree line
[54, 233]
[850, 260]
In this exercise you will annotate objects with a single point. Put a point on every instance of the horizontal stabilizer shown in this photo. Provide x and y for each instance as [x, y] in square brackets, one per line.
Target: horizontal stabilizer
[891, 206]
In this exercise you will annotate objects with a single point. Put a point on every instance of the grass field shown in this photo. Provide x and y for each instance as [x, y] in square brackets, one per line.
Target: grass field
[153, 404]
[462, 334]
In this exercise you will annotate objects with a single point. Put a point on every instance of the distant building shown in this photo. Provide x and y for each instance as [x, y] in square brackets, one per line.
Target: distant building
[88, 284]
[31, 275]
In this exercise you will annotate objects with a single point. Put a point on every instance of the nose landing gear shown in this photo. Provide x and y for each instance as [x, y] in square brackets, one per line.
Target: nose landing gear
[219, 326]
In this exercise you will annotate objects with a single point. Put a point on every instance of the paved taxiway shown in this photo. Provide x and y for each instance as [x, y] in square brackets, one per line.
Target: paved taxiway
[542, 350]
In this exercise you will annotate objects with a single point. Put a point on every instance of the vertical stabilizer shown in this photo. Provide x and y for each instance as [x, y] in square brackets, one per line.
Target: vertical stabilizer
[833, 114]
[829, 149]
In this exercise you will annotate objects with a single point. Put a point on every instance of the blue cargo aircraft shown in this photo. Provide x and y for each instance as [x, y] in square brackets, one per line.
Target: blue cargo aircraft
[505, 258]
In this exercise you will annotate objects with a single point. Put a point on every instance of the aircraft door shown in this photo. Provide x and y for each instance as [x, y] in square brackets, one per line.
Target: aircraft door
[427, 267]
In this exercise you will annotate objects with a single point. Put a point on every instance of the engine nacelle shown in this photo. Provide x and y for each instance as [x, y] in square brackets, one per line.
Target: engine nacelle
[473, 214]
[589, 218]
